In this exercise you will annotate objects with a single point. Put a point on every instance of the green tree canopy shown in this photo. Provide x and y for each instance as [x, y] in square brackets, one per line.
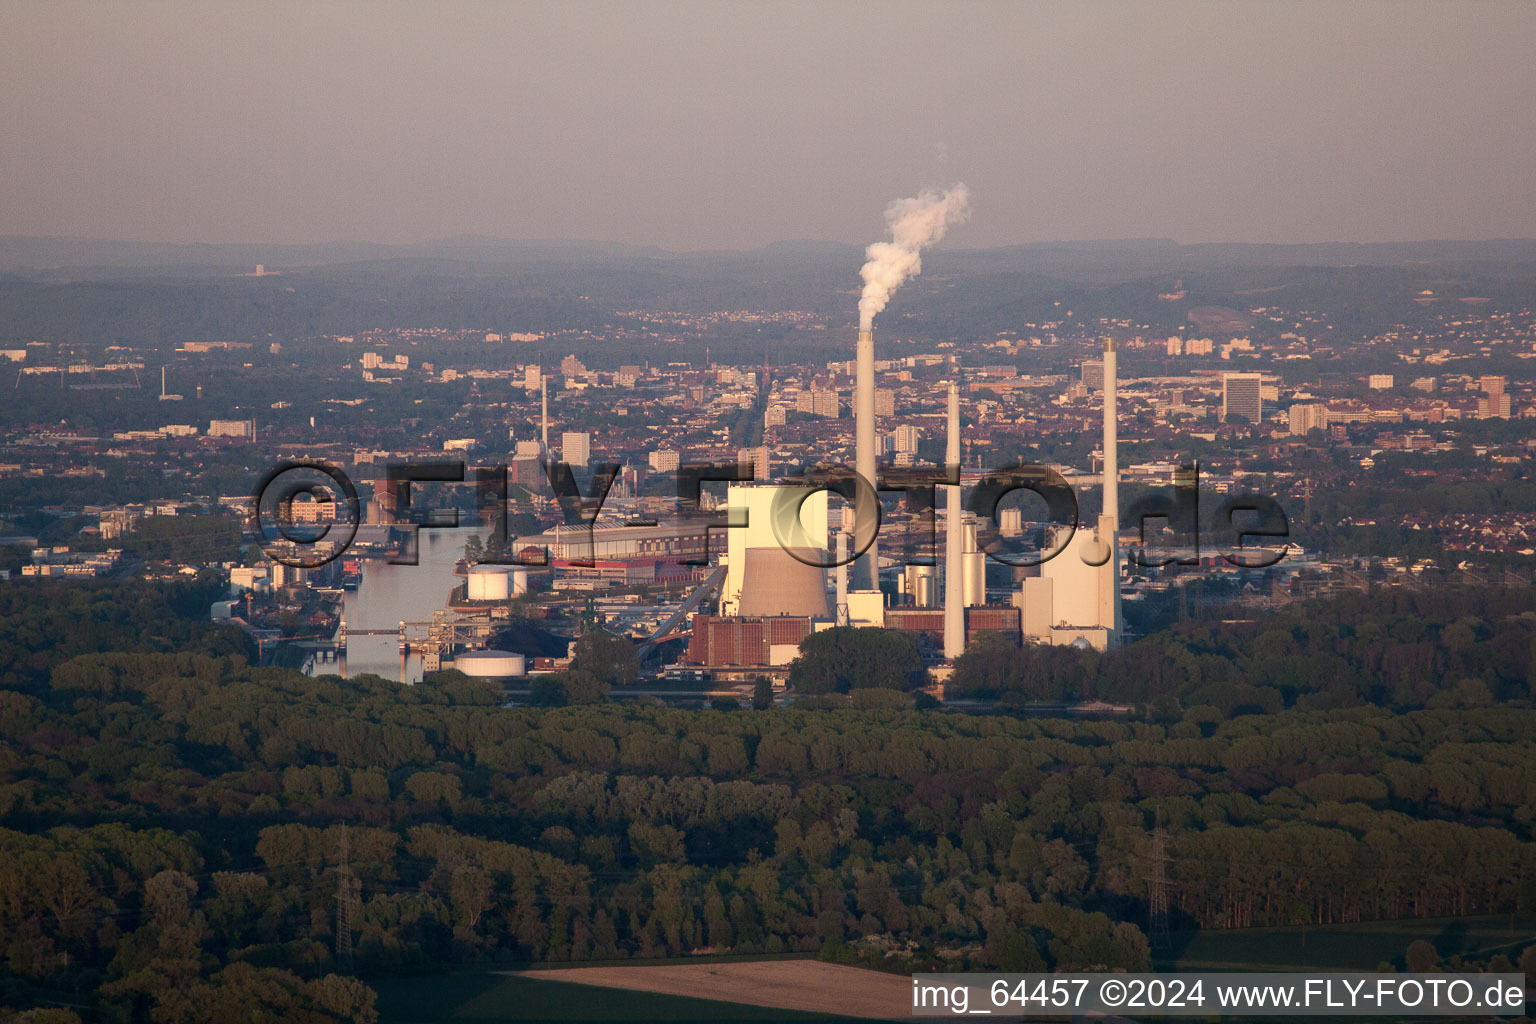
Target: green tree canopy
[846, 658]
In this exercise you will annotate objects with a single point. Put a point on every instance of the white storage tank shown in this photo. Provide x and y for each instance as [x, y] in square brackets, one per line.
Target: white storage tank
[519, 582]
[491, 664]
[487, 583]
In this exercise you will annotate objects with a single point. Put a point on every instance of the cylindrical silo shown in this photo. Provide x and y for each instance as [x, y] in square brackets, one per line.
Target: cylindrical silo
[487, 583]
[922, 585]
[490, 664]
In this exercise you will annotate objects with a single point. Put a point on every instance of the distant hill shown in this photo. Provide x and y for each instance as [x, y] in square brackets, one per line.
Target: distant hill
[85, 257]
[88, 291]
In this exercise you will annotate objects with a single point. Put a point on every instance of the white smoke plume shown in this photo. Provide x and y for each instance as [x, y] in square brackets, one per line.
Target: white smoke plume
[915, 223]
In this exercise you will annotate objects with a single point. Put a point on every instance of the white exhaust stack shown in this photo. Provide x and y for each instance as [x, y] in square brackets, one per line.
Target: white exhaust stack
[915, 224]
[1109, 516]
[867, 568]
[954, 560]
[1111, 438]
[544, 412]
[842, 577]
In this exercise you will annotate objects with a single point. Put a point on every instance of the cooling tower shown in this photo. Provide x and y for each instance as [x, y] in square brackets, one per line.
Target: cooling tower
[775, 582]
[754, 504]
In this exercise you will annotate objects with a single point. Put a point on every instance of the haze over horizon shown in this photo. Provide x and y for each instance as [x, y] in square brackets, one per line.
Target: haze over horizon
[695, 126]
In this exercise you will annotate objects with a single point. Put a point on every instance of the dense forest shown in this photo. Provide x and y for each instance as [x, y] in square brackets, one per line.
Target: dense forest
[177, 828]
[1397, 647]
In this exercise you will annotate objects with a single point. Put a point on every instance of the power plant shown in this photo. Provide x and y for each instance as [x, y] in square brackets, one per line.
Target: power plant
[775, 591]
[771, 599]
[1076, 597]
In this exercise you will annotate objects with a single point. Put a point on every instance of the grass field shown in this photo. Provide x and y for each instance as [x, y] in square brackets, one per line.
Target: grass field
[1345, 946]
[808, 986]
[491, 998]
[487, 998]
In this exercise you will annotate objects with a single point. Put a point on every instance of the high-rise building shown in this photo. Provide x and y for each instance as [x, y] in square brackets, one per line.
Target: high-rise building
[1093, 374]
[757, 458]
[1175, 346]
[1492, 385]
[885, 402]
[576, 447]
[665, 460]
[1380, 381]
[1308, 417]
[819, 404]
[907, 437]
[231, 428]
[1241, 395]
[1493, 406]
[774, 416]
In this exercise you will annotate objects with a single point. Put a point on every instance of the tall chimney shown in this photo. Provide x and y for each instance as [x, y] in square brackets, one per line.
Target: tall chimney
[954, 561]
[867, 569]
[1110, 514]
[544, 412]
[1111, 439]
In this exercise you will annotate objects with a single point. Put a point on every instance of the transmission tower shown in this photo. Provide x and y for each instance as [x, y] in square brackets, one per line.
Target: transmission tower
[346, 889]
[1157, 897]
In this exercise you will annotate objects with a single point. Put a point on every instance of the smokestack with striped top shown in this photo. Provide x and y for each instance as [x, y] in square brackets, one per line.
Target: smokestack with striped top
[867, 568]
[954, 571]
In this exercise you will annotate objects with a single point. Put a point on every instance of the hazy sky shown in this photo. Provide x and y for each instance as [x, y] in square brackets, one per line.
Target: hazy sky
[733, 124]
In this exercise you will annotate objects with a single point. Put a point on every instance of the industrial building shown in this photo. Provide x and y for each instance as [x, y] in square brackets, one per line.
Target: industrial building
[624, 554]
[761, 643]
[1076, 597]
[756, 502]
[775, 589]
